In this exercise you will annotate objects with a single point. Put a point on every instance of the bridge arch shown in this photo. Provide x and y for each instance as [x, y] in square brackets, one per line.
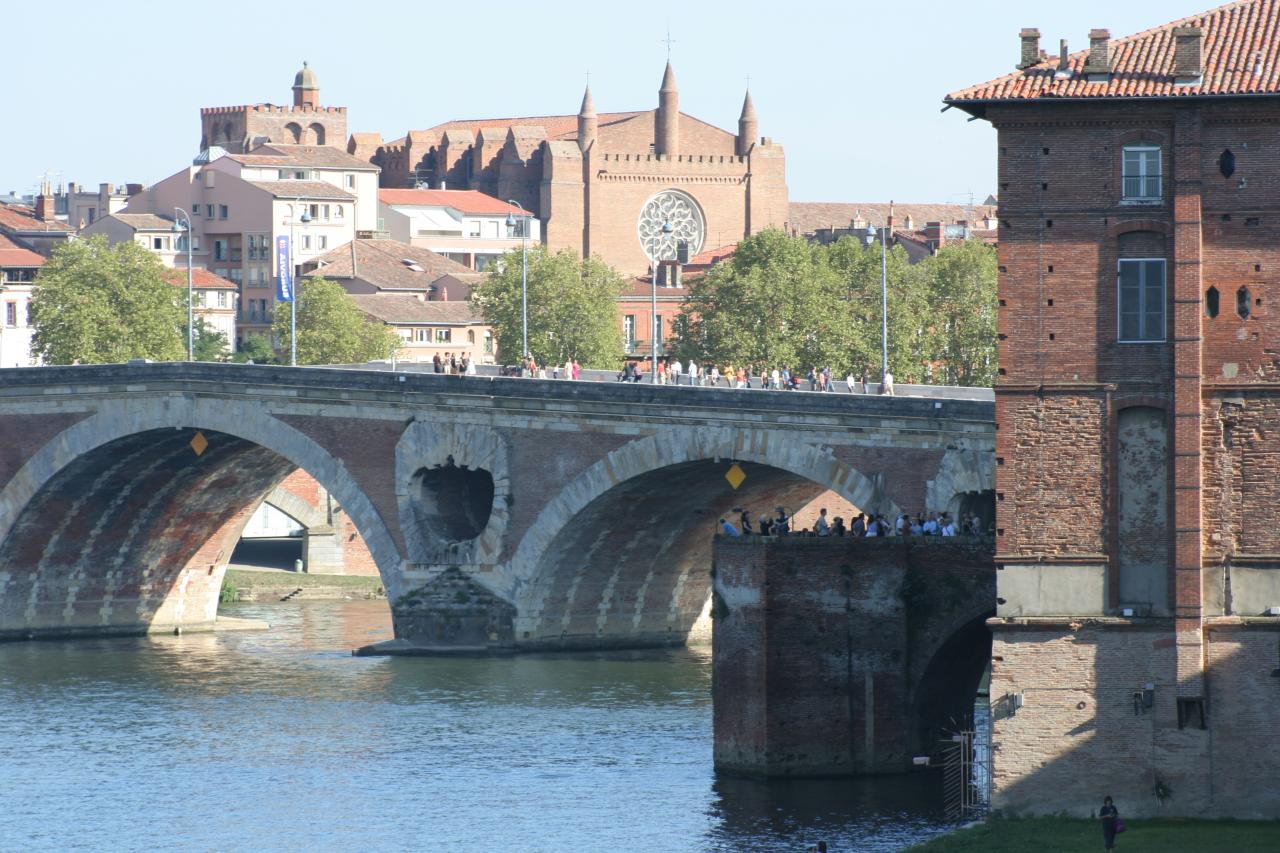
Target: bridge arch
[621, 555]
[131, 504]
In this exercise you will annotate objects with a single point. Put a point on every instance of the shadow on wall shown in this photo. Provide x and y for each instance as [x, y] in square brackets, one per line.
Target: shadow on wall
[1088, 711]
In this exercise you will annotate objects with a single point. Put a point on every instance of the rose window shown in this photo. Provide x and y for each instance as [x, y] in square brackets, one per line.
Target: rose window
[687, 225]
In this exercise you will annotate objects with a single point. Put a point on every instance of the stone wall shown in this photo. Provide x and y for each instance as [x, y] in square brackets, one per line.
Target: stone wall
[844, 656]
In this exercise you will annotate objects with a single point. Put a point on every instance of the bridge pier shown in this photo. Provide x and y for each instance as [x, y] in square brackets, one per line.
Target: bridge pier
[835, 656]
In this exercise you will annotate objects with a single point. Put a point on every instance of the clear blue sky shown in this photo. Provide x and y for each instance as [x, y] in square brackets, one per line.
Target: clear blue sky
[112, 91]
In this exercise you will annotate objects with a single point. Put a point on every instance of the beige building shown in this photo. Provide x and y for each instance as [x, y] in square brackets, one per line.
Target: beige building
[19, 267]
[241, 205]
[466, 226]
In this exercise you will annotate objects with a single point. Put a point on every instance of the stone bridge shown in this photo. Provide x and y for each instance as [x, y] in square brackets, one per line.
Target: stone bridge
[501, 513]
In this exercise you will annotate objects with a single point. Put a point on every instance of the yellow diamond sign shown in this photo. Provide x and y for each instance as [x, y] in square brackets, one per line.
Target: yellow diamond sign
[735, 475]
[199, 443]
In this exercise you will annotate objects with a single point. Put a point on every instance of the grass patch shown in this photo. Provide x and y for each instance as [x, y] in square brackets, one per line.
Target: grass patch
[1062, 835]
[243, 580]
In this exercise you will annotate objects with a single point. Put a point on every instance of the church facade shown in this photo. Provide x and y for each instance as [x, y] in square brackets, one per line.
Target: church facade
[606, 183]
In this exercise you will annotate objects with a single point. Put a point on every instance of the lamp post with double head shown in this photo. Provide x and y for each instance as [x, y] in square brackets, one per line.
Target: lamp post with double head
[655, 328]
[180, 225]
[293, 272]
[524, 272]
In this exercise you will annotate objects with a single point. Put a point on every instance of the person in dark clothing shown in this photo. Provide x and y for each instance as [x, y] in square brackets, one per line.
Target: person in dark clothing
[746, 522]
[1110, 818]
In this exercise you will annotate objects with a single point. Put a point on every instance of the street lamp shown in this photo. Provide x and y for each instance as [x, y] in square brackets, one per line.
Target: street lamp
[180, 225]
[524, 273]
[293, 270]
[884, 299]
[654, 328]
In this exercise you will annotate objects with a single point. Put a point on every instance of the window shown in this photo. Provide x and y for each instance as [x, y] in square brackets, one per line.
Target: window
[222, 211]
[324, 211]
[1141, 172]
[444, 336]
[488, 343]
[181, 243]
[195, 211]
[219, 250]
[324, 241]
[657, 327]
[351, 183]
[339, 211]
[314, 210]
[1141, 300]
[11, 313]
[475, 228]
[222, 299]
[1191, 713]
[492, 228]
[157, 243]
[629, 328]
[306, 241]
[208, 210]
[424, 336]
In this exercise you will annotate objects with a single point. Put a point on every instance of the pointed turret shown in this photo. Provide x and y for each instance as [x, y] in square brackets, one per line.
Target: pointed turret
[587, 121]
[666, 121]
[748, 126]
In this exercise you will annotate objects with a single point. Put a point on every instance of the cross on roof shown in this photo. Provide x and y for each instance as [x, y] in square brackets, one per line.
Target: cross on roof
[669, 41]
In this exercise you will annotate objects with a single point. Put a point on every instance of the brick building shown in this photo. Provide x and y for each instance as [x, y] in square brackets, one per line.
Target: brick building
[242, 128]
[1138, 403]
[603, 183]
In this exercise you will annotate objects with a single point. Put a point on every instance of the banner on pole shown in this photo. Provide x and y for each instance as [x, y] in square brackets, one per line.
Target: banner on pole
[284, 270]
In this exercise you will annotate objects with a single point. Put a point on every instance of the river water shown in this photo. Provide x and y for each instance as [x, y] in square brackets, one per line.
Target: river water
[280, 740]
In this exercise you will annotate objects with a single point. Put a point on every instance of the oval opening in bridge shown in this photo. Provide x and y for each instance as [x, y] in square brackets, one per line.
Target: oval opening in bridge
[454, 502]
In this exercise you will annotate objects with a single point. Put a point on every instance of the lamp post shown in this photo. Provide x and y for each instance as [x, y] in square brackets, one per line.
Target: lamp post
[654, 329]
[524, 274]
[884, 299]
[293, 272]
[180, 225]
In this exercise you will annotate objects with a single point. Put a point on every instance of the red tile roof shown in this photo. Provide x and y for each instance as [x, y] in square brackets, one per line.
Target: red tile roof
[13, 255]
[711, 257]
[562, 126]
[200, 278]
[20, 217]
[466, 201]
[806, 217]
[1240, 56]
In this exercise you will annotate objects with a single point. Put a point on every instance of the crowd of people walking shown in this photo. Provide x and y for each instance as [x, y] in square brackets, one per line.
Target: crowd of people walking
[864, 526]
[453, 364]
[673, 372]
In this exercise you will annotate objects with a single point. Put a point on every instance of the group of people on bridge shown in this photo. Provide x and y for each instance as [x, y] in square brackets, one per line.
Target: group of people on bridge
[864, 526]
[672, 372]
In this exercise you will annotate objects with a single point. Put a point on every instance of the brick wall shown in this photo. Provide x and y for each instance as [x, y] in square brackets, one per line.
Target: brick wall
[826, 651]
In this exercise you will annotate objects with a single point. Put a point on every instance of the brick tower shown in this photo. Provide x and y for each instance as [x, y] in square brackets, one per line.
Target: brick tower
[240, 129]
[1138, 404]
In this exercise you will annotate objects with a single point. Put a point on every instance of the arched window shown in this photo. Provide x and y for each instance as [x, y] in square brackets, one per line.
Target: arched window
[294, 131]
[317, 133]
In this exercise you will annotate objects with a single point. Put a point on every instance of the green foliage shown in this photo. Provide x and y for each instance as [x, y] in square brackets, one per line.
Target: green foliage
[1064, 835]
[255, 348]
[573, 310]
[209, 344]
[228, 593]
[783, 302]
[96, 304]
[331, 329]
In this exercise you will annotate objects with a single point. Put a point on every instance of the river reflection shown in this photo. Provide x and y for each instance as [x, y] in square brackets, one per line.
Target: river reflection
[280, 740]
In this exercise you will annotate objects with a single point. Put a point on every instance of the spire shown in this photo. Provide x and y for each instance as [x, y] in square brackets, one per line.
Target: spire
[587, 121]
[748, 126]
[668, 80]
[666, 121]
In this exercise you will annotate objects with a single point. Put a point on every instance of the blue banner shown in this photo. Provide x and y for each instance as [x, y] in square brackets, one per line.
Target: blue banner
[284, 270]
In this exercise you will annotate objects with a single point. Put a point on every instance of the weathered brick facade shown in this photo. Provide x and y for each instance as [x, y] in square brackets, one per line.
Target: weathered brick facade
[1138, 427]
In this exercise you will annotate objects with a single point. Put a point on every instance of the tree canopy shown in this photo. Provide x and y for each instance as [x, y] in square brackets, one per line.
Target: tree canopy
[255, 348]
[208, 344]
[331, 329]
[94, 303]
[573, 308]
[781, 301]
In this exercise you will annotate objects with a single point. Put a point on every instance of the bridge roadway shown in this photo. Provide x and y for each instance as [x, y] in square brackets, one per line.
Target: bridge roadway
[502, 513]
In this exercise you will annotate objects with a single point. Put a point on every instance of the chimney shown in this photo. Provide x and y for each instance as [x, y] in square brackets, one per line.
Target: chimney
[1188, 65]
[1099, 60]
[1064, 60]
[935, 234]
[909, 223]
[45, 207]
[1030, 47]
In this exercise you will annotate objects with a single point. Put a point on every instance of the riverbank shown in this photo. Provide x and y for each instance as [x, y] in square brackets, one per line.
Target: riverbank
[1061, 835]
[274, 585]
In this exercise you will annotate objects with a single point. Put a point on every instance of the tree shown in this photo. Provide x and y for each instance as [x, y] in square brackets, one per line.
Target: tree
[331, 329]
[962, 319]
[257, 349]
[573, 308]
[209, 344]
[94, 303]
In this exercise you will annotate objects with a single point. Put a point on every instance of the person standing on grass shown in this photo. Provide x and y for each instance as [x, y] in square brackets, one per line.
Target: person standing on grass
[1110, 818]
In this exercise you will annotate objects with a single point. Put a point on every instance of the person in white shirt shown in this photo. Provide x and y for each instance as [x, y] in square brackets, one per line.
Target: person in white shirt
[821, 527]
[948, 526]
[886, 387]
[848, 381]
[714, 376]
[931, 526]
[775, 379]
[673, 371]
[693, 373]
